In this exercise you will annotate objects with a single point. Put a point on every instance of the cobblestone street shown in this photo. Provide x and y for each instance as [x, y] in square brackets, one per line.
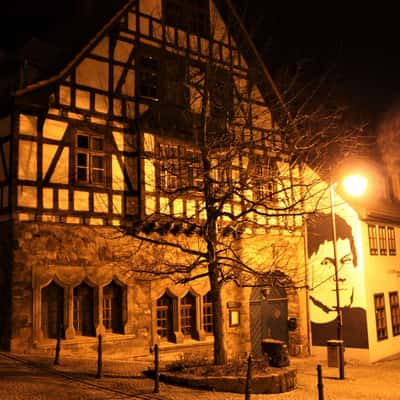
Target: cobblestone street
[33, 377]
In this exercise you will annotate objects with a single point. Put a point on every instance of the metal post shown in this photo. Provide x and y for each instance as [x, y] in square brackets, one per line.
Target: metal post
[156, 370]
[248, 380]
[99, 359]
[58, 346]
[339, 333]
[320, 384]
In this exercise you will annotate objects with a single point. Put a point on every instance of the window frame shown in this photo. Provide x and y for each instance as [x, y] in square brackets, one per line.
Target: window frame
[380, 317]
[391, 237]
[382, 240]
[187, 315]
[208, 320]
[394, 312]
[372, 240]
[165, 312]
[91, 153]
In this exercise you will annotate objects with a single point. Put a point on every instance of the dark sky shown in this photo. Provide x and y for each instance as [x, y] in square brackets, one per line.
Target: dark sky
[359, 45]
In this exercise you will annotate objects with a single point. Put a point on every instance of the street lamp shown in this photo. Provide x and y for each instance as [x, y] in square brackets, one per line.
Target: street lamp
[355, 185]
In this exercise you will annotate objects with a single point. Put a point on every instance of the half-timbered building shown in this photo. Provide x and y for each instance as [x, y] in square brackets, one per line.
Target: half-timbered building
[90, 149]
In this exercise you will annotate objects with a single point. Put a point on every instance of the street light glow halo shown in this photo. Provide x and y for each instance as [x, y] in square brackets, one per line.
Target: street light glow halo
[355, 185]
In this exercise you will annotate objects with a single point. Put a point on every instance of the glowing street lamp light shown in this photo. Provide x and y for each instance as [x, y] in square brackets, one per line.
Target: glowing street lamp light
[354, 185]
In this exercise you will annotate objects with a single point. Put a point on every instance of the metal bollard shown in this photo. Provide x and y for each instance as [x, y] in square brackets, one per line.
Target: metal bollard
[248, 380]
[99, 359]
[320, 384]
[156, 370]
[58, 346]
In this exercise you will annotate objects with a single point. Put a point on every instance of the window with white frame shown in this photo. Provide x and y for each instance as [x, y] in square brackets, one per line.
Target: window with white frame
[391, 241]
[90, 161]
[380, 316]
[372, 240]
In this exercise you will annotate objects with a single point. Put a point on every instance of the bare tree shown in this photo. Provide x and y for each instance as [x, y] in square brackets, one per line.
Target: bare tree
[239, 171]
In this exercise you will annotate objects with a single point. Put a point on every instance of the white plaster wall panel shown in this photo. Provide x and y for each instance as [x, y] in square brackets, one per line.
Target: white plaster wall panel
[27, 156]
[101, 103]
[64, 94]
[144, 26]
[81, 200]
[143, 108]
[151, 7]
[178, 207]
[102, 48]
[149, 176]
[149, 142]
[49, 150]
[130, 165]
[117, 107]
[28, 124]
[128, 88]
[27, 196]
[182, 38]
[191, 208]
[122, 51]
[53, 129]
[117, 175]
[164, 205]
[193, 43]
[119, 140]
[96, 221]
[217, 25]
[132, 22]
[157, 30]
[92, 73]
[100, 202]
[48, 198]
[82, 99]
[117, 204]
[150, 205]
[63, 199]
[5, 126]
[196, 77]
[5, 196]
[72, 220]
[204, 46]
[60, 174]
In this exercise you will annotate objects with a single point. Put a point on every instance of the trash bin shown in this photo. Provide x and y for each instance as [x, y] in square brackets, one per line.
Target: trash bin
[334, 348]
[276, 351]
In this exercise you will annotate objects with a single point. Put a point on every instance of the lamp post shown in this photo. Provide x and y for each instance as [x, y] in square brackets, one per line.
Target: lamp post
[339, 332]
[354, 185]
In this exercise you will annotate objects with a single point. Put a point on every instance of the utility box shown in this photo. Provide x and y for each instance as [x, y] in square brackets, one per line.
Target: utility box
[276, 352]
[334, 347]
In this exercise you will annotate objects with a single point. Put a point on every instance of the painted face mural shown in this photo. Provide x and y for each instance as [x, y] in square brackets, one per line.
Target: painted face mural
[323, 286]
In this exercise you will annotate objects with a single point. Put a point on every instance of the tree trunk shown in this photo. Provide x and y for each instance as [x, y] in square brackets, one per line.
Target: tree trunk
[220, 356]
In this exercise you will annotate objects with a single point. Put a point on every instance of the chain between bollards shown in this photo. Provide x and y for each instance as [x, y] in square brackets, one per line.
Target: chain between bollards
[320, 384]
[99, 358]
[156, 370]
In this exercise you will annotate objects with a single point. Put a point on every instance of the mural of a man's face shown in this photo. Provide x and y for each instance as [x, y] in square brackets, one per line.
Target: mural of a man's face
[322, 268]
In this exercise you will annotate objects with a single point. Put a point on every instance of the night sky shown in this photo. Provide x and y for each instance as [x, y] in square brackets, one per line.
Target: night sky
[360, 46]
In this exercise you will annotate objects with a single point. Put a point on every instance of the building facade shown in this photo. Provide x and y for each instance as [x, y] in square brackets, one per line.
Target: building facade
[94, 149]
[368, 273]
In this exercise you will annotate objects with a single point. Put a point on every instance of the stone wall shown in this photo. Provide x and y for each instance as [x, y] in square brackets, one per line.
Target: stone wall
[6, 256]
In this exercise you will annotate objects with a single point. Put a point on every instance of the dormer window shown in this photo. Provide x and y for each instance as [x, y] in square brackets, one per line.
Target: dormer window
[90, 159]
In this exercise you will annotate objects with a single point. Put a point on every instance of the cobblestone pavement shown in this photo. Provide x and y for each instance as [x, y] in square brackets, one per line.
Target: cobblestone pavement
[75, 378]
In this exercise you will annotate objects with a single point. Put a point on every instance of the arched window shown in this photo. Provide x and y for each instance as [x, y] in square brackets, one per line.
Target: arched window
[207, 313]
[188, 315]
[52, 310]
[83, 310]
[164, 317]
[112, 308]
